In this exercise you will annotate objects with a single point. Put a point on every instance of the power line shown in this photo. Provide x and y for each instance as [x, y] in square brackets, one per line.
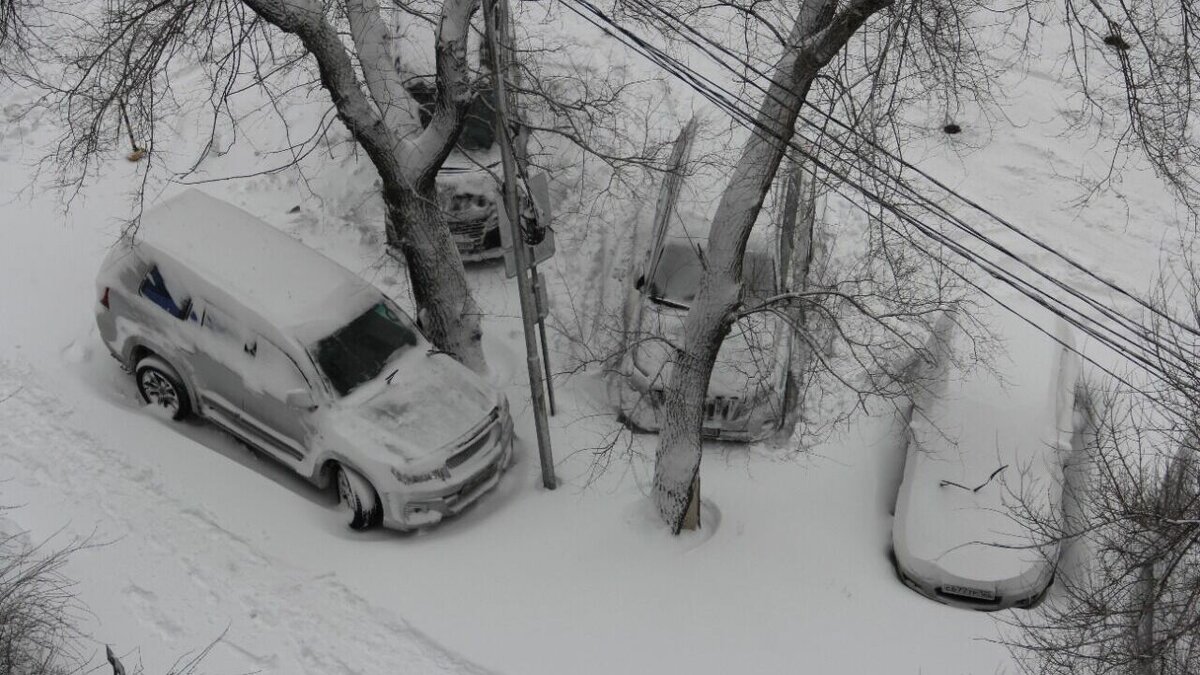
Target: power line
[688, 28]
[1140, 332]
[721, 97]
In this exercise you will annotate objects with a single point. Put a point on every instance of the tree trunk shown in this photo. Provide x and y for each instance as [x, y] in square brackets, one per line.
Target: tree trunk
[815, 38]
[406, 157]
[446, 308]
[799, 223]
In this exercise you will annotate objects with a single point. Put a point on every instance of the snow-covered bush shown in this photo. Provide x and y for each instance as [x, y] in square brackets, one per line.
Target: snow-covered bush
[38, 609]
[1128, 598]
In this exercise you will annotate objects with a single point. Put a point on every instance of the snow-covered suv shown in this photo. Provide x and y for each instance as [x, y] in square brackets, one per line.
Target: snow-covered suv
[219, 314]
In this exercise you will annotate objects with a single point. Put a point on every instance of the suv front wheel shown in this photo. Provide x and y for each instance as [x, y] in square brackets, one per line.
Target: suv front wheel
[160, 387]
[358, 499]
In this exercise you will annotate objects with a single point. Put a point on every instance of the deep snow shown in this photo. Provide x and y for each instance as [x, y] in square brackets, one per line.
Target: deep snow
[202, 538]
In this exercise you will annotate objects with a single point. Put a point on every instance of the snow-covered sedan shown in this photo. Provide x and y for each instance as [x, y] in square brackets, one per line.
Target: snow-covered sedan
[985, 449]
[219, 314]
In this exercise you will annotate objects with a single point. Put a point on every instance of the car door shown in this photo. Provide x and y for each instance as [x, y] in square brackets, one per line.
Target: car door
[274, 374]
[650, 248]
[667, 198]
[221, 356]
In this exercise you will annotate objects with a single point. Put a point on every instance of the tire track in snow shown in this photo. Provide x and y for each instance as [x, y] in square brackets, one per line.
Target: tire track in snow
[185, 577]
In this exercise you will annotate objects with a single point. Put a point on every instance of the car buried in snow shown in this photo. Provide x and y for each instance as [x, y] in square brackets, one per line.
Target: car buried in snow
[468, 182]
[747, 389]
[220, 315]
[985, 450]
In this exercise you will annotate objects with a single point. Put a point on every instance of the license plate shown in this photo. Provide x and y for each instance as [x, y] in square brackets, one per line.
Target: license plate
[968, 592]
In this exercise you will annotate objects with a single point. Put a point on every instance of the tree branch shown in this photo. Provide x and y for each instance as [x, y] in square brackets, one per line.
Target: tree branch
[373, 44]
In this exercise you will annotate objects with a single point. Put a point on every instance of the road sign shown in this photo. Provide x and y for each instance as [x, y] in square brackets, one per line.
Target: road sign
[539, 189]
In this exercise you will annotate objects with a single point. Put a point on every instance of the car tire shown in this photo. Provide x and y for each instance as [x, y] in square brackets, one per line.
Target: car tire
[1040, 597]
[159, 385]
[358, 499]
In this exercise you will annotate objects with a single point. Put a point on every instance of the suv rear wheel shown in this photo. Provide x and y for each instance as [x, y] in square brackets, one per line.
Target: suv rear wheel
[161, 387]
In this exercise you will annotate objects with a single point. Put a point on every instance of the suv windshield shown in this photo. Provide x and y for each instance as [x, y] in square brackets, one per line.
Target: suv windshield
[479, 124]
[358, 351]
[677, 278]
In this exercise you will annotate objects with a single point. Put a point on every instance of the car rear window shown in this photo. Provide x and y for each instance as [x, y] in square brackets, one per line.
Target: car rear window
[155, 288]
[677, 277]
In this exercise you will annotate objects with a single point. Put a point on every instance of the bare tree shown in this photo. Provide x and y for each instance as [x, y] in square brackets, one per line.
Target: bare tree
[1137, 62]
[15, 18]
[904, 52]
[38, 610]
[1130, 601]
[120, 63]
[123, 64]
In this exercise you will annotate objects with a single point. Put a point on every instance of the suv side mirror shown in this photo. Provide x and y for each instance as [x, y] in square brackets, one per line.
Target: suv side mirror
[301, 399]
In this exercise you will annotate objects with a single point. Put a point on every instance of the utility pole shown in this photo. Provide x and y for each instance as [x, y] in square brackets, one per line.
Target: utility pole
[496, 27]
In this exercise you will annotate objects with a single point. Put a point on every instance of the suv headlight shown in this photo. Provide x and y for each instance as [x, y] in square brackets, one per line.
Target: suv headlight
[440, 473]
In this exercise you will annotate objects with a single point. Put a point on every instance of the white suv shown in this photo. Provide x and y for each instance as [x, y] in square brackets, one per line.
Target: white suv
[221, 315]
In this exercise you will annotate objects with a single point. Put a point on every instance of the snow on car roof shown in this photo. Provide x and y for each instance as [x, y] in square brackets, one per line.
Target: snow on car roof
[261, 267]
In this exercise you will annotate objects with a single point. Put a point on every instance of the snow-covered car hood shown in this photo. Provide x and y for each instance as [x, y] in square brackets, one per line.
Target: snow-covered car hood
[432, 401]
[746, 362]
[960, 504]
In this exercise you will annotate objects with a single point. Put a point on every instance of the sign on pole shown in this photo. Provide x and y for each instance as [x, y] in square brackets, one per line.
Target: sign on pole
[539, 190]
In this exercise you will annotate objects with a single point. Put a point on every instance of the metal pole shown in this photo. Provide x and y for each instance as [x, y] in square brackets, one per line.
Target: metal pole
[494, 23]
[542, 335]
[521, 152]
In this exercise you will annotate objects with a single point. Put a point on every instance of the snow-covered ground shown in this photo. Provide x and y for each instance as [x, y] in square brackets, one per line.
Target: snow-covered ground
[198, 537]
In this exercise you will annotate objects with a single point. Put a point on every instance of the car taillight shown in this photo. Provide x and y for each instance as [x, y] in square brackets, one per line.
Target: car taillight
[104, 298]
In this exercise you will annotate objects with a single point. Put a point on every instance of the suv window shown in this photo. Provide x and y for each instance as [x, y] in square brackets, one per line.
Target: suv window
[479, 123]
[273, 371]
[154, 287]
[677, 278]
[216, 321]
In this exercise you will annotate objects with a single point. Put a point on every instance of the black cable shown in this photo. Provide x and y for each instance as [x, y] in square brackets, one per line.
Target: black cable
[1139, 331]
[893, 156]
[706, 89]
[697, 82]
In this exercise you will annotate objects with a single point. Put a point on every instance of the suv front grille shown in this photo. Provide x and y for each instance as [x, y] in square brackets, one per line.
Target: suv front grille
[721, 408]
[470, 216]
[485, 433]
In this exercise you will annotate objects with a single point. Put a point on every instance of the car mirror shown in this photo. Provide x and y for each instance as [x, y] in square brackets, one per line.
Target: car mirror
[301, 399]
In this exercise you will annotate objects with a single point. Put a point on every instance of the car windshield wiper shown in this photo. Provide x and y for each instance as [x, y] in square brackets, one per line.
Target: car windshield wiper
[666, 302]
[979, 487]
